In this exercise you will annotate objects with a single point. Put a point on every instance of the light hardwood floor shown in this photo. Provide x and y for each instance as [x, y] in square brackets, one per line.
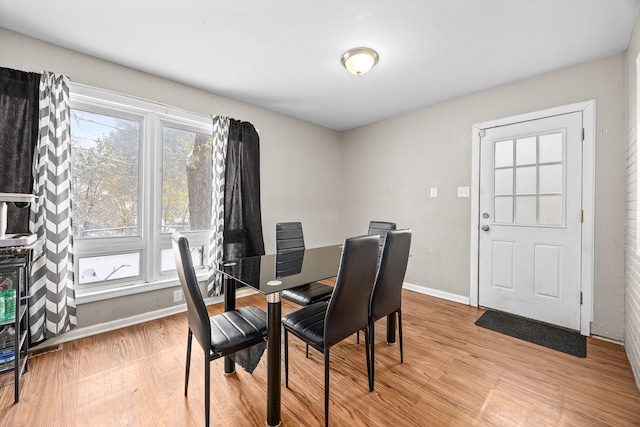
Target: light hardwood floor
[455, 374]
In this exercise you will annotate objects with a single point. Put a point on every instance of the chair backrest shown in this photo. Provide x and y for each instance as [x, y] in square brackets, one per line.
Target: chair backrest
[289, 248]
[196, 308]
[381, 228]
[348, 309]
[386, 296]
[289, 237]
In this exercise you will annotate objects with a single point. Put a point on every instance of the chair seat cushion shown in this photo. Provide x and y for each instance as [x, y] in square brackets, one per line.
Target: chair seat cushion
[308, 322]
[308, 294]
[232, 329]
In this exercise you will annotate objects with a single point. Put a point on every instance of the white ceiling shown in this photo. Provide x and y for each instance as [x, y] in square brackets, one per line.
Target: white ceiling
[284, 55]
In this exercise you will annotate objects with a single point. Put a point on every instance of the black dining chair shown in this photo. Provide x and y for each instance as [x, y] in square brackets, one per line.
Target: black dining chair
[324, 324]
[290, 246]
[386, 297]
[219, 335]
[379, 228]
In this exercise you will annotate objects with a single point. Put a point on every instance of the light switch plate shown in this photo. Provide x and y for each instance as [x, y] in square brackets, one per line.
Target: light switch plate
[463, 191]
[434, 192]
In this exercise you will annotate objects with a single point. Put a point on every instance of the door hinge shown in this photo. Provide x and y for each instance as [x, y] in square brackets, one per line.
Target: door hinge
[582, 216]
[583, 134]
[580, 298]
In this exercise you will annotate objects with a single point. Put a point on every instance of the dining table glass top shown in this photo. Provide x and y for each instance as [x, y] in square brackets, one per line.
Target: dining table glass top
[266, 273]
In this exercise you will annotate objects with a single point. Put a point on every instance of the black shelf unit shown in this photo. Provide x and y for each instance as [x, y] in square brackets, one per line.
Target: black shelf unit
[15, 272]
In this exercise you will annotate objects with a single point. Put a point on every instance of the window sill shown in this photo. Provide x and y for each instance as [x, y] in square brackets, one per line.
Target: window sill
[95, 294]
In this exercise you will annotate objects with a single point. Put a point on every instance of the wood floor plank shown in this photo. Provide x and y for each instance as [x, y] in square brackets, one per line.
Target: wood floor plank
[455, 374]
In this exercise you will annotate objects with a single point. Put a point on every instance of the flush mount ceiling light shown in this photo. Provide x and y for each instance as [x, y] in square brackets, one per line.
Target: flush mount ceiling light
[359, 60]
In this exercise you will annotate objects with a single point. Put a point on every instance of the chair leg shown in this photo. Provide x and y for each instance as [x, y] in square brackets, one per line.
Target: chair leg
[372, 356]
[367, 343]
[358, 337]
[326, 386]
[307, 351]
[400, 335]
[207, 384]
[286, 359]
[186, 375]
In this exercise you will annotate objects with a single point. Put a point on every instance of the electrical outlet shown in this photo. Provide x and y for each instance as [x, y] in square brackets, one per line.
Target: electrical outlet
[177, 295]
[463, 191]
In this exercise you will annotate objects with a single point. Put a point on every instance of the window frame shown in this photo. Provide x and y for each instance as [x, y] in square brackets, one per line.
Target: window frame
[150, 240]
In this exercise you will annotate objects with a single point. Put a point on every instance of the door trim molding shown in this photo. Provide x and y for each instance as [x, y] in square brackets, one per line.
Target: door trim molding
[588, 110]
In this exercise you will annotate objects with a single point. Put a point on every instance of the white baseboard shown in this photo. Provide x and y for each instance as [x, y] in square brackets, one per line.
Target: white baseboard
[436, 293]
[87, 331]
[598, 337]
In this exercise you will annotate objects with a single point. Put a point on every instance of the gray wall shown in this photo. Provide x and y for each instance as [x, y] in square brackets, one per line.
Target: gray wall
[300, 162]
[632, 295]
[390, 166]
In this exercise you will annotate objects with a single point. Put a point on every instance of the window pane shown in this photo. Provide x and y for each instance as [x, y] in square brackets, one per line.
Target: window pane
[551, 147]
[108, 267]
[526, 180]
[503, 210]
[503, 153]
[104, 158]
[526, 151]
[187, 178]
[551, 210]
[551, 179]
[168, 262]
[504, 181]
[526, 210]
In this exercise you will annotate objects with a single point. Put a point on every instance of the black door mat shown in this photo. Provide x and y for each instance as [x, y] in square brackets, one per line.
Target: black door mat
[563, 340]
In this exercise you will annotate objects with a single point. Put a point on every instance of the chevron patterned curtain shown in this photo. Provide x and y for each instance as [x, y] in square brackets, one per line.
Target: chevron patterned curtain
[216, 240]
[52, 305]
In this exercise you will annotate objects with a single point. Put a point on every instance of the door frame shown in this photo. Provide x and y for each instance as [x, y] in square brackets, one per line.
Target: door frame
[588, 110]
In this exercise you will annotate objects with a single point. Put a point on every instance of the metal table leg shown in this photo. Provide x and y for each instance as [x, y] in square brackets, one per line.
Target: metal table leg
[274, 310]
[391, 329]
[229, 304]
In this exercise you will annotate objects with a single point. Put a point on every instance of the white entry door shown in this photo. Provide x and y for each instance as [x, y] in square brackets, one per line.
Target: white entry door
[531, 219]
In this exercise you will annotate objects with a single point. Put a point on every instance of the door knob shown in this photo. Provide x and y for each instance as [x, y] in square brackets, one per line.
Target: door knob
[485, 227]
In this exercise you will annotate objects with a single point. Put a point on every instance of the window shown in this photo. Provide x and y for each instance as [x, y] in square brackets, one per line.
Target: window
[529, 180]
[140, 171]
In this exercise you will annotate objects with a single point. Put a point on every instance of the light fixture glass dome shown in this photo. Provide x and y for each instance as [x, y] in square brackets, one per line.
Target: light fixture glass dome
[359, 60]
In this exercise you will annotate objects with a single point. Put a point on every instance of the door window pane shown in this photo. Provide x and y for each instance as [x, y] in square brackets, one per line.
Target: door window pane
[526, 151]
[104, 158]
[187, 177]
[531, 191]
[526, 180]
[503, 210]
[551, 179]
[551, 210]
[504, 181]
[525, 210]
[503, 154]
[551, 147]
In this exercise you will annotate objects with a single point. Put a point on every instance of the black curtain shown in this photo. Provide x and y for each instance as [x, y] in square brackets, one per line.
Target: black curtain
[242, 216]
[19, 111]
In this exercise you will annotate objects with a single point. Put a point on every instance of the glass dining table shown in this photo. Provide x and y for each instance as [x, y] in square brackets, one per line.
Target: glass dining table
[261, 274]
